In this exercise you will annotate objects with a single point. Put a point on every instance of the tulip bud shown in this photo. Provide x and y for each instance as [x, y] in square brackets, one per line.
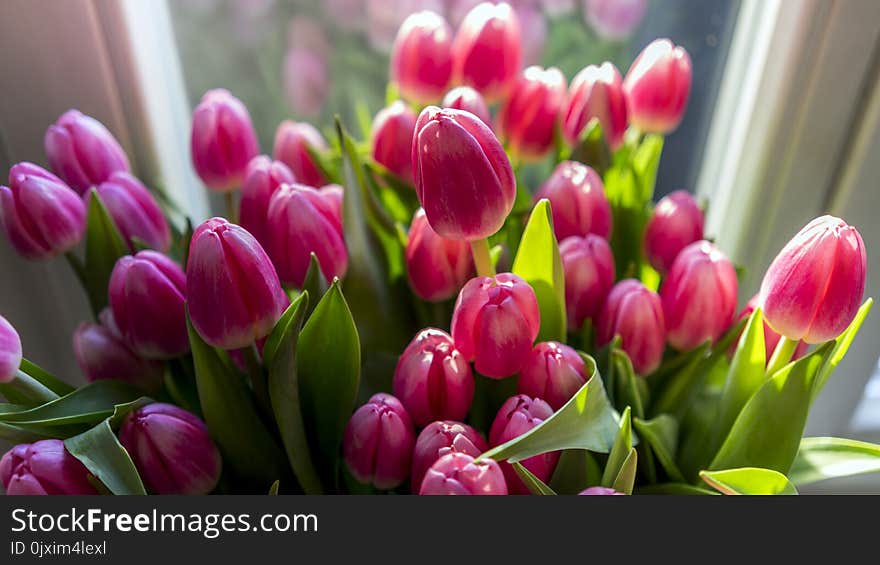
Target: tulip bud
[292, 144]
[657, 87]
[134, 211]
[421, 58]
[433, 380]
[42, 216]
[262, 178]
[487, 50]
[813, 288]
[171, 449]
[771, 338]
[233, 292]
[223, 140]
[82, 151]
[634, 313]
[589, 275]
[333, 193]
[392, 139]
[553, 372]
[600, 491]
[458, 474]
[467, 99]
[10, 351]
[378, 442]
[437, 267]
[614, 19]
[303, 220]
[495, 323]
[43, 467]
[699, 296]
[596, 92]
[529, 118]
[439, 439]
[518, 415]
[463, 176]
[676, 222]
[577, 201]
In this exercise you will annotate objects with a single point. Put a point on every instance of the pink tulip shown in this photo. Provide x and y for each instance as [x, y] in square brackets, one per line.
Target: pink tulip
[262, 178]
[468, 99]
[306, 81]
[657, 87]
[596, 92]
[134, 211]
[529, 118]
[813, 288]
[699, 296]
[10, 351]
[378, 443]
[43, 467]
[293, 140]
[458, 474]
[634, 313]
[771, 338]
[553, 372]
[589, 275]
[533, 31]
[676, 222]
[439, 439]
[421, 59]
[614, 19]
[577, 201]
[518, 415]
[495, 323]
[437, 267]
[392, 141]
[600, 491]
[487, 51]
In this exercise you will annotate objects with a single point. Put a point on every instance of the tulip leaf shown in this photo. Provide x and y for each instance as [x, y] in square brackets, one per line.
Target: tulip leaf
[285, 396]
[232, 417]
[841, 346]
[626, 477]
[29, 433]
[821, 458]
[315, 283]
[104, 246]
[586, 421]
[619, 451]
[533, 483]
[538, 262]
[748, 480]
[87, 405]
[646, 162]
[273, 490]
[45, 378]
[661, 435]
[592, 148]
[673, 399]
[576, 470]
[328, 361]
[627, 389]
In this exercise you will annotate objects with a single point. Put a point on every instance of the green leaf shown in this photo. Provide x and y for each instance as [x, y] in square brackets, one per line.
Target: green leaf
[748, 480]
[626, 384]
[273, 490]
[626, 478]
[104, 246]
[680, 386]
[620, 451]
[533, 483]
[821, 458]
[87, 405]
[661, 434]
[29, 433]
[45, 378]
[841, 346]
[315, 283]
[539, 263]
[328, 365]
[285, 396]
[575, 471]
[646, 162]
[592, 148]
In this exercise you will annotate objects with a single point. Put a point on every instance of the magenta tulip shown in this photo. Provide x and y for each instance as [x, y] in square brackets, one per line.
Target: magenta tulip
[813, 288]
[487, 50]
[463, 176]
[437, 267]
[293, 141]
[458, 474]
[467, 99]
[495, 323]
[589, 275]
[577, 201]
[392, 139]
[657, 87]
[601, 491]
[529, 118]
[43, 467]
[171, 449]
[676, 222]
[421, 59]
[223, 140]
[518, 415]
[378, 443]
[134, 211]
[42, 216]
[614, 19]
[596, 92]
[261, 179]
[771, 338]
[634, 313]
[553, 372]
[699, 296]
[82, 151]
[10, 351]
[234, 295]
[439, 439]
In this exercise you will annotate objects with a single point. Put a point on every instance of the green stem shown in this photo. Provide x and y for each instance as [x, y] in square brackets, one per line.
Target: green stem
[482, 259]
[257, 377]
[231, 208]
[30, 388]
[781, 355]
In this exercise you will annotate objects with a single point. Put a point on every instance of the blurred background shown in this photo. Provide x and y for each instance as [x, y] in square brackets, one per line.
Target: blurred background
[783, 123]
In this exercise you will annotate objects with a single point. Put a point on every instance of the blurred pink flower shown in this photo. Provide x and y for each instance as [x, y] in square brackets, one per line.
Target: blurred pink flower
[303, 31]
[533, 27]
[614, 19]
[385, 16]
[306, 81]
[345, 14]
[251, 19]
[556, 8]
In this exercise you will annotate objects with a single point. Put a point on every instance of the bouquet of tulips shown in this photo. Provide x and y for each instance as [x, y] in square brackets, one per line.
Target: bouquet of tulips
[478, 297]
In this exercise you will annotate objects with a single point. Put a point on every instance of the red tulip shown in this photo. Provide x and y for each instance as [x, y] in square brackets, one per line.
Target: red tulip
[596, 92]
[458, 474]
[589, 275]
[134, 211]
[10, 351]
[43, 467]
[634, 313]
[553, 372]
[378, 443]
[577, 201]
[517, 416]
[437, 267]
[421, 59]
[468, 99]
[392, 139]
[529, 118]
[293, 141]
[261, 179]
[676, 222]
[439, 439]
[657, 87]
[487, 50]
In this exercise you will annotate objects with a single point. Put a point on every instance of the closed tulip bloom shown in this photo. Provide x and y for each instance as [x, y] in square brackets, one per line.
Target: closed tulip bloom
[439, 439]
[495, 323]
[134, 211]
[553, 372]
[657, 87]
[421, 58]
[589, 275]
[676, 222]
[303, 220]
[634, 313]
[234, 295]
[487, 50]
[577, 201]
[600, 491]
[596, 92]
[433, 380]
[464, 180]
[10, 351]
[378, 443]
[813, 288]
[518, 415]
[458, 474]
[42, 216]
[82, 151]
[147, 296]
[223, 140]
[614, 19]
[293, 140]
[437, 267]
[261, 179]
[43, 467]
[771, 338]
[699, 296]
[171, 449]
[529, 118]
[467, 99]
[392, 139]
